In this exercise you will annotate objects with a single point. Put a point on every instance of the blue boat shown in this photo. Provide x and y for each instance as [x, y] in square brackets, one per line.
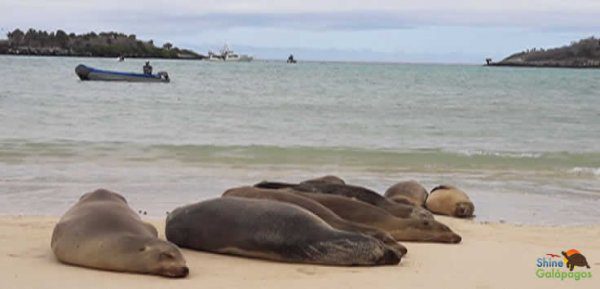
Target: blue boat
[89, 73]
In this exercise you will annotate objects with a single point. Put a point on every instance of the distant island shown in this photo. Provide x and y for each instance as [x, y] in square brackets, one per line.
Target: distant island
[103, 44]
[584, 53]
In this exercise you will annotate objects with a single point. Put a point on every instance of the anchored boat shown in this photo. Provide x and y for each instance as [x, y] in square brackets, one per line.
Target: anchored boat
[89, 73]
[228, 55]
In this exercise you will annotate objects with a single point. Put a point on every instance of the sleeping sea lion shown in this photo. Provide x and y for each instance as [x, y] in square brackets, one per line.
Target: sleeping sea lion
[448, 200]
[355, 192]
[101, 231]
[410, 192]
[402, 229]
[271, 230]
[314, 207]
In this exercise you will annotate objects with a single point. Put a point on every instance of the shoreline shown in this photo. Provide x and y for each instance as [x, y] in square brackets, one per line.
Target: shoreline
[160, 187]
[490, 256]
[541, 66]
[317, 61]
[100, 57]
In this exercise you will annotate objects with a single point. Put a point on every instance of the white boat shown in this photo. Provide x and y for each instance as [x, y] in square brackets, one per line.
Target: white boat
[228, 55]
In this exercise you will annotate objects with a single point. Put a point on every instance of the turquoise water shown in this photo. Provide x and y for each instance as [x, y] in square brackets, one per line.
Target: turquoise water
[515, 139]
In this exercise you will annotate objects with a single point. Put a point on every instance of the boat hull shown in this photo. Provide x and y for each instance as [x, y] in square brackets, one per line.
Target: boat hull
[89, 73]
[243, 58]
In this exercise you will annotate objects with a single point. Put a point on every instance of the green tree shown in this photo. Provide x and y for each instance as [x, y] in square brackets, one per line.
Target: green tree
[16, 37]
[62, 39]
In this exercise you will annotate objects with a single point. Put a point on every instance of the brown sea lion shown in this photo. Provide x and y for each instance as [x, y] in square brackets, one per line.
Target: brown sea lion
[101, 231]
[355, 192]
[314, 207]
[449, 200]
[410, 192]
[402, 229]
[271, 230]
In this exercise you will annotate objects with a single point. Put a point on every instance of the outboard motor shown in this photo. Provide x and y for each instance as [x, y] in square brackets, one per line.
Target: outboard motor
[164, 75]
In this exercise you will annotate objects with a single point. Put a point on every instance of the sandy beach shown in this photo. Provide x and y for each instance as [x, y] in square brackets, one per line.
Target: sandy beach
[492, 255]
[461, 108]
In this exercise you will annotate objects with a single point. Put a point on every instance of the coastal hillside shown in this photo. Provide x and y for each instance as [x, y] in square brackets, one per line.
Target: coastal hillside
[103, 44]
[584, 53]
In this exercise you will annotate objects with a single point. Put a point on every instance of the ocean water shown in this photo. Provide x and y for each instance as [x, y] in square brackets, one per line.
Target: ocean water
[523, 143]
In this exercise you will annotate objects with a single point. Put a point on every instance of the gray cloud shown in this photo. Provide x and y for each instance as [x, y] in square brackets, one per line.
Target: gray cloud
[356, 21]
[380, 15]
[303, 21]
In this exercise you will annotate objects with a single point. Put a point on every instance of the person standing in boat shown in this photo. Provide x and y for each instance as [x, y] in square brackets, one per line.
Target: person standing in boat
[147, 68]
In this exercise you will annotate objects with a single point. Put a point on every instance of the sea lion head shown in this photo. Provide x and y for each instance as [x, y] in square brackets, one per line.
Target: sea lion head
[162, 258]
[374, 252]
[390, 257]
[388, 240]
[464, 209]
[359, 250]
[426, 231]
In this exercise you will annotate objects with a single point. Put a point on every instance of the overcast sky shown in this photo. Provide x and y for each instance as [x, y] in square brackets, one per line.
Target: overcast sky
[385, 30]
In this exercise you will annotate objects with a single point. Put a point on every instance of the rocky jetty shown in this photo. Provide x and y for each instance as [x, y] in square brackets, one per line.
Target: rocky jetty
[581, 54]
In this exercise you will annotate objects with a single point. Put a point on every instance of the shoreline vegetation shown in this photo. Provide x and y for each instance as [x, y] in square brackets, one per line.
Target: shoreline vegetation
[103, 44]
[584, 53]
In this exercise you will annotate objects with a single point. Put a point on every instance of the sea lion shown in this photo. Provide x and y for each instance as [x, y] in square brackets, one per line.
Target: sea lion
[314, 207]
[271, 230]
[327, 179]
[410, 192]
[101, 231]
[355, 192]
[448, 200]
[402, 229]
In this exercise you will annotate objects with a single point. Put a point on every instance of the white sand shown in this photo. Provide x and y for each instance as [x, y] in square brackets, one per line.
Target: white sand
[490, 256]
